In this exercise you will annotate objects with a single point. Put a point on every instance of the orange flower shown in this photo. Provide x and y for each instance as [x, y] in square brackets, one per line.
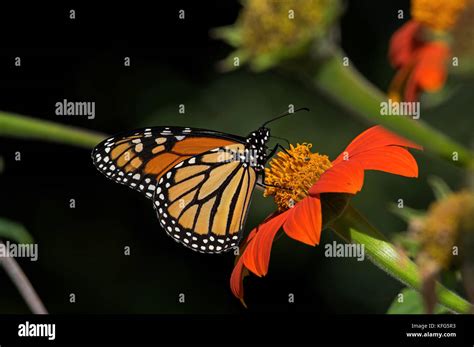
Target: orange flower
[303, 176]
[419, 50]
[422, 66]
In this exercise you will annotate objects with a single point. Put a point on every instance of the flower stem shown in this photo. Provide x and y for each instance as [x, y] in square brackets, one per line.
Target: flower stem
[23, 284]
[354, 228]
[351, 90]
[36, 129]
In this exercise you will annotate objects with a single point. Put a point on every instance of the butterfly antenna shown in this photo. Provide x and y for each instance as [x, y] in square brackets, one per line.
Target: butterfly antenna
[285, 115]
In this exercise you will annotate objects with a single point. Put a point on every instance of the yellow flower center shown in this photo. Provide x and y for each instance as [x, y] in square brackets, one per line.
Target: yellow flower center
[437, 14]
[293, 173]
[271, 25]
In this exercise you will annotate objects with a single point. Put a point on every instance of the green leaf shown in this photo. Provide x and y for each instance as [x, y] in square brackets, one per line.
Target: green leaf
[409, 301]
[230, 34]
[406, 213]
[14, 231]
[440, 187]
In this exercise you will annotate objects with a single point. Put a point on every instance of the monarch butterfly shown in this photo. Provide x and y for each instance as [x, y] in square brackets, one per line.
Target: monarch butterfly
[200, 181]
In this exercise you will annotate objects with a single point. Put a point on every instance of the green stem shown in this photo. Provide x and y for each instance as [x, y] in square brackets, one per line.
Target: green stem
[36, 129]
[23, 284]
[353, 227]
[351, 90]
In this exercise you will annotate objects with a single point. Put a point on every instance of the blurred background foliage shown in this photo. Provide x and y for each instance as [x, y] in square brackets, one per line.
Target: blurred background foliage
[81, 250]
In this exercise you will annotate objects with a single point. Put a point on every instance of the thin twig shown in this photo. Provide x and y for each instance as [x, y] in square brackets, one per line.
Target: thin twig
[23, 284]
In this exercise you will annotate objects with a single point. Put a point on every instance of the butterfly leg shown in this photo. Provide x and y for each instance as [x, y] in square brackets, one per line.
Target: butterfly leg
[274, 149]
[265, 185]
[284, 149]
[272, 152]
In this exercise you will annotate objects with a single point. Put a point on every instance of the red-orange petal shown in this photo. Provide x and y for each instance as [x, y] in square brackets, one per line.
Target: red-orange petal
[236, 279]
[430, 72]
[392, 159]
[256, 256]
[346, 176]
[404, 43]
[372, 138]
[304, 221]
[240, 271]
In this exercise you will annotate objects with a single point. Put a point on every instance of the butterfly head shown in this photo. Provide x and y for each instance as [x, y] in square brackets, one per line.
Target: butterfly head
[257, 147]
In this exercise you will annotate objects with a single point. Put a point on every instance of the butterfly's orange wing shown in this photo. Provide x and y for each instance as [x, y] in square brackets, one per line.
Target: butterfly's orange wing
[203, 201]
[139, 159]
[200, 191]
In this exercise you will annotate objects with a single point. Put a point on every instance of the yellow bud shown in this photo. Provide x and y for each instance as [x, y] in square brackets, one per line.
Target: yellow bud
[444, 225]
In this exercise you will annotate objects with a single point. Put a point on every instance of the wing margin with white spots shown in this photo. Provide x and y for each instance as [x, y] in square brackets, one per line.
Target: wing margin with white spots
[123, 158]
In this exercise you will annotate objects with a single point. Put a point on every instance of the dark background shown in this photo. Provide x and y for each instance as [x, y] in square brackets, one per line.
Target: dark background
[81, 250]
